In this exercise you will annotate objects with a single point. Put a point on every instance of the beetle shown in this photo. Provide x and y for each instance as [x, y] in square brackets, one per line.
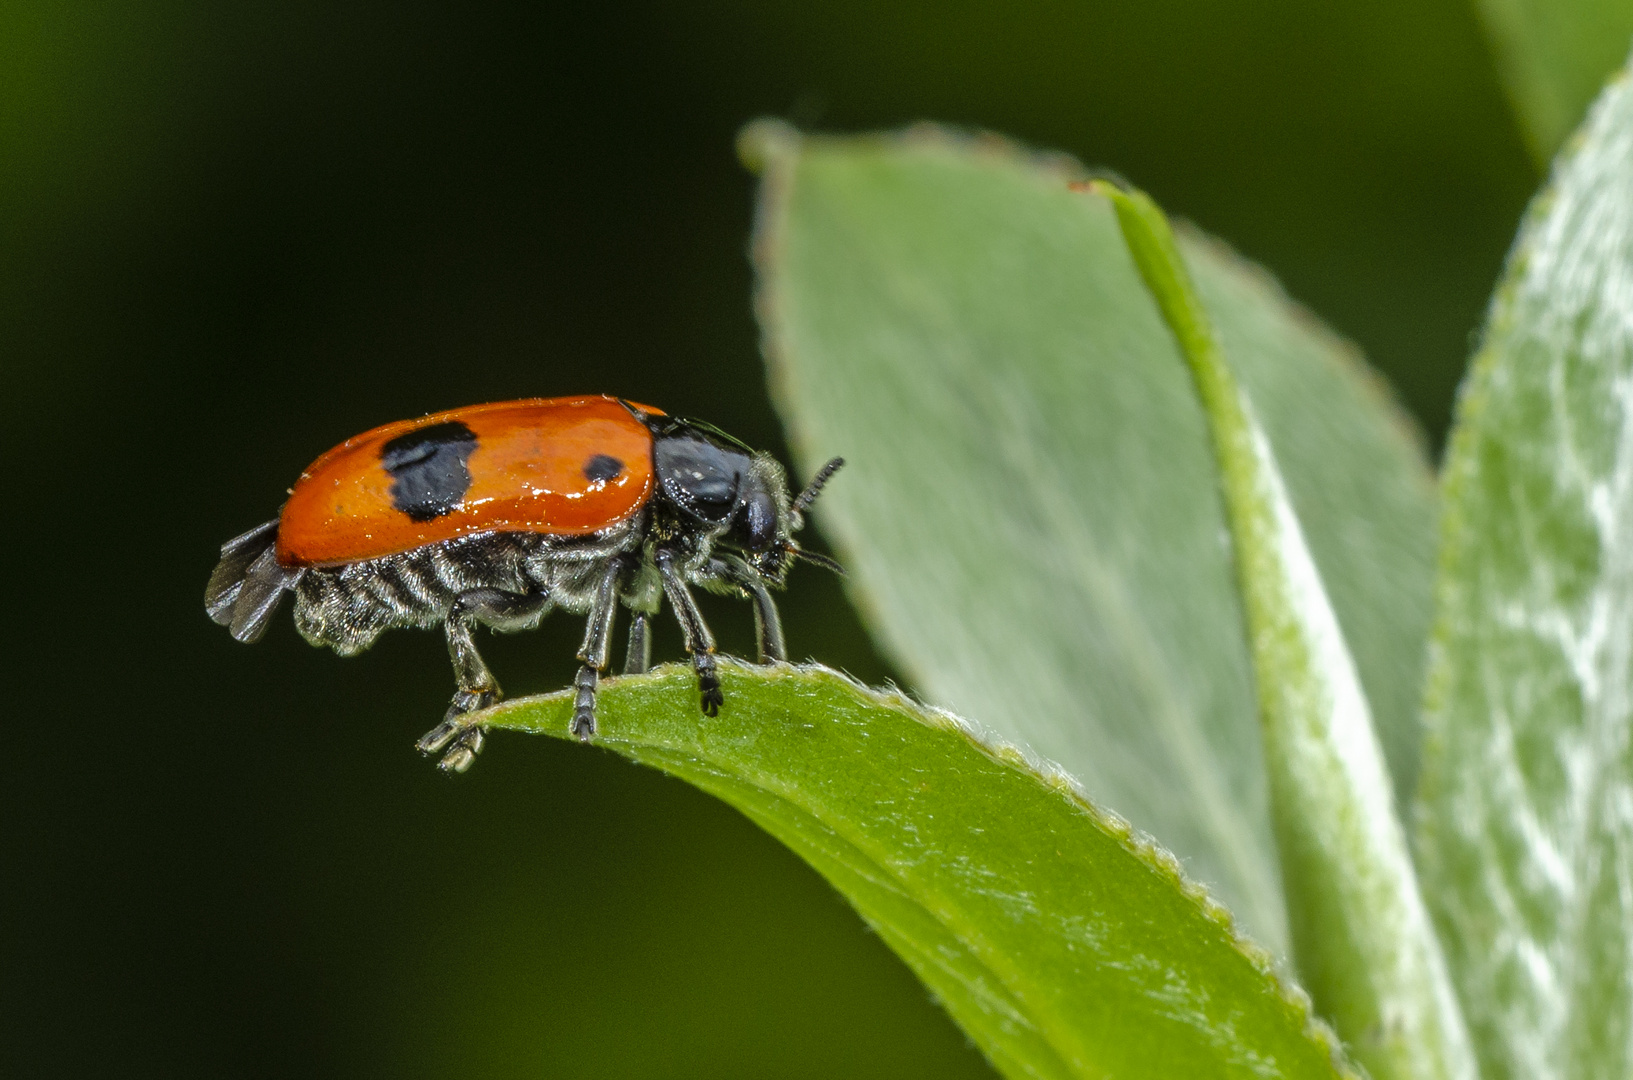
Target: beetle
[494, 514]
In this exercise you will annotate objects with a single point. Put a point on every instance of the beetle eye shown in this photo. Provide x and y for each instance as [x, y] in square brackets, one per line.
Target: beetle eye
[759, 521]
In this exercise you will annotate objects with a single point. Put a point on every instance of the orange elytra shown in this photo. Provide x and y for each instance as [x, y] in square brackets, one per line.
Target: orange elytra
[560, 466]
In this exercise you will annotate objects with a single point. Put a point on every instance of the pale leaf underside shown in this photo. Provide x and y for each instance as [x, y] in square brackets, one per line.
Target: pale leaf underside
[1527, 810]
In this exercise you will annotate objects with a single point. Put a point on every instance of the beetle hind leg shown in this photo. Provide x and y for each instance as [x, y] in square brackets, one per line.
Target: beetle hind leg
[458, 740]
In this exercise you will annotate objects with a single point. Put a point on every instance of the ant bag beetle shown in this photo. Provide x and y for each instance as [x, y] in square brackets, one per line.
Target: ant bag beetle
[496, 513]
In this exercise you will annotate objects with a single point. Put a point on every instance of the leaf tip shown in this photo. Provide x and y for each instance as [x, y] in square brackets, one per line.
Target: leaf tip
[766, 141]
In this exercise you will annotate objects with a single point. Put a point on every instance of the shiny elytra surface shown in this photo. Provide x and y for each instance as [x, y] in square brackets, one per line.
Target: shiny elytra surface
[529, 466]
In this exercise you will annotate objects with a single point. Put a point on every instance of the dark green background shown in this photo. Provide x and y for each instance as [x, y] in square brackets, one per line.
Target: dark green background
[232, 235]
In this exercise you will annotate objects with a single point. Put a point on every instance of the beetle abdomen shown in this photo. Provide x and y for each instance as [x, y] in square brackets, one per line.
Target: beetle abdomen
[348, 607]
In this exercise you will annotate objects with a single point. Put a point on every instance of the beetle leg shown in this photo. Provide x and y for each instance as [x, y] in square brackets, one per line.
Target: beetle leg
[699, 642]
[767, 624]
[638, 655]
[460, 741]
[597, 647]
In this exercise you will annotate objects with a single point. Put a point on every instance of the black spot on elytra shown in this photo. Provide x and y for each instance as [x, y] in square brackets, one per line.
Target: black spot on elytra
[602, 467]
[429, 477]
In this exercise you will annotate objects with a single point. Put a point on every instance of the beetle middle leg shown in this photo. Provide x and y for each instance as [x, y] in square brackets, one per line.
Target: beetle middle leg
[699, 641]
[597, 645]
[477, 688]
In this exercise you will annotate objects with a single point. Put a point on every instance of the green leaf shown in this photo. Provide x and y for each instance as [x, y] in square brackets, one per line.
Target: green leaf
[1066, 944]
[1030, 516]
[1526, 828]
[1553, 55]
[1360, 929]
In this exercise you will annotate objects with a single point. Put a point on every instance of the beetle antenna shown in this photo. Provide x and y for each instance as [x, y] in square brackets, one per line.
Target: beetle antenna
[814, 488]
[818, 560]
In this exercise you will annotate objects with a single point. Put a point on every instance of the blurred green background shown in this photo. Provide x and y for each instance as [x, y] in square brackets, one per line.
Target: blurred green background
[233, 235]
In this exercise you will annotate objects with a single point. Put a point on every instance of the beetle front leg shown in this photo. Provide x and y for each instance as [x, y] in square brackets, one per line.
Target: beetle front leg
[699, 641]
[767, 624]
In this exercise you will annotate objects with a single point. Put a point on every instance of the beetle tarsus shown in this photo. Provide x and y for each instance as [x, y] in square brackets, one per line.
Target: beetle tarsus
[437, 738]
[584, 703]
[461, 754]
[458, 742]
[708, 683]
[456, 738]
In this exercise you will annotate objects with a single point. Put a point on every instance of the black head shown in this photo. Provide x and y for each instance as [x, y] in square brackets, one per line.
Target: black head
[739, 495]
